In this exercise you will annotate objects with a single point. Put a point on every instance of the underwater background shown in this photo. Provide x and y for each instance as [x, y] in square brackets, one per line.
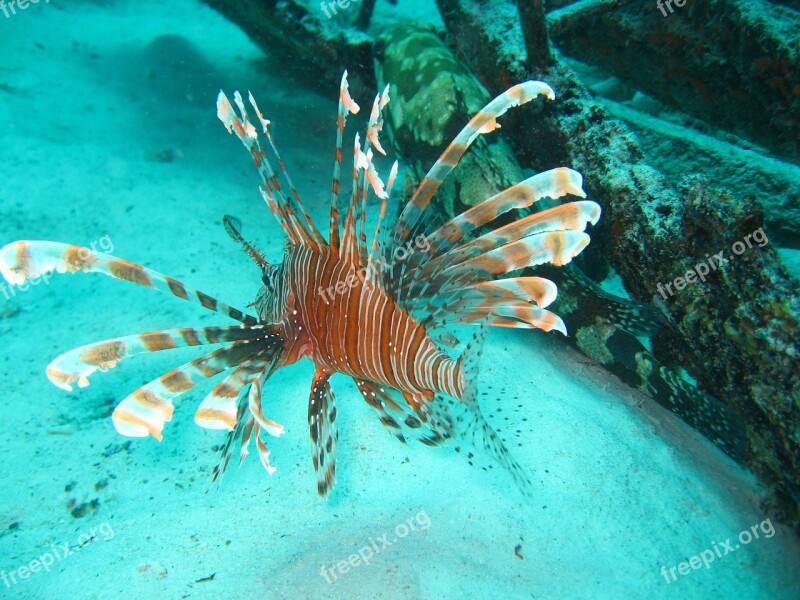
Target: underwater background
[110, 140]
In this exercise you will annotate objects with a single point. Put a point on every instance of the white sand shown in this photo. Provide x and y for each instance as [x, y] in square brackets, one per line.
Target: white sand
[623, 487]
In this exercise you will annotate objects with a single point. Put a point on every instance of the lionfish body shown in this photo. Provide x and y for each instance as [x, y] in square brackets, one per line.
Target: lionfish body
[330, 328]
[379, 313]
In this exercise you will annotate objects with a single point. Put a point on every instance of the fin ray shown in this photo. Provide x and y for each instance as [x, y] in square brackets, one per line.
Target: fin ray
[24, 260]
[78, 364]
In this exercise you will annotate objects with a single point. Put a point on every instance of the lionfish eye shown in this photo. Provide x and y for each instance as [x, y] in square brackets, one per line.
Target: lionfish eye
[266, 280]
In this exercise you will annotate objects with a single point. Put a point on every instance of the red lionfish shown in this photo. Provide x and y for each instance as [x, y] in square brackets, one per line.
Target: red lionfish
[385, 328]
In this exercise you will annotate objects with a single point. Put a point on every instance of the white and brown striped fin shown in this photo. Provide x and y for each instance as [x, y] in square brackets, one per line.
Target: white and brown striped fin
[555, 247]
[241, 433]
[505, 303]
[79, 364]
[295, 202]
[24, 260]
[218, 409]
[347, 251]
[289, 210]
[454, 267]
[145, 411]
[369, 178]
[441, 289]
[322, 429]
[521, 314]
[281, 215]
[263, 450]
[572, 216]
[380, 228]
[346, 106]
[554, 184]
[361, 228]
[374, 127]
[483, 122]
[261, 424]
[365, 176]
[513, 289]
[255, 402]
[250, 422]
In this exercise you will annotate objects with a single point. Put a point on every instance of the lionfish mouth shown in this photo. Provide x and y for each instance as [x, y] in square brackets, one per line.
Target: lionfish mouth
[424, 395]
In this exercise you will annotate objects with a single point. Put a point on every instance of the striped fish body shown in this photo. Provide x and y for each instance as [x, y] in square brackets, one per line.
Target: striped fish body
[385, 328]
[353, 326]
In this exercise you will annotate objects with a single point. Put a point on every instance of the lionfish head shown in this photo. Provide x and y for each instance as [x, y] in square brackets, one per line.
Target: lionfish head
[270, 301]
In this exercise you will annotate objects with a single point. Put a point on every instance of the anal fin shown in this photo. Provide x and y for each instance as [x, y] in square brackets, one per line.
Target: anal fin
[419, 418]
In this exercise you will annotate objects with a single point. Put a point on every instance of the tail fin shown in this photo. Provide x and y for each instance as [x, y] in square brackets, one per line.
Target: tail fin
[475, 439]
[468, 364]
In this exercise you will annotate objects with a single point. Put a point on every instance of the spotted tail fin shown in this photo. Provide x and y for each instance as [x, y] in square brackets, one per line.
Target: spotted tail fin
[24, 260]
[475, 438]
[468, 364]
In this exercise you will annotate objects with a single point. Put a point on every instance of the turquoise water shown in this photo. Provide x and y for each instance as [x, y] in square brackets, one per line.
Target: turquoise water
[110, 140]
